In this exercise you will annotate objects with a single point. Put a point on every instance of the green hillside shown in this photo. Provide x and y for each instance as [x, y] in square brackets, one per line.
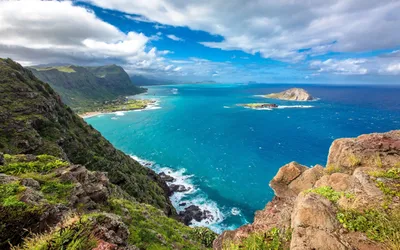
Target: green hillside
[33, 120]
[84, 88]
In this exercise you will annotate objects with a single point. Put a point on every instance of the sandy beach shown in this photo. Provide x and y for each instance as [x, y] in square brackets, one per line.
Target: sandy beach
[90, 114]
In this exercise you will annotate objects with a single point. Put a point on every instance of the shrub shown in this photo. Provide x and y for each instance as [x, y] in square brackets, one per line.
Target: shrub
[273, 239]
[377, 225]
[19, 164]
[329, 193]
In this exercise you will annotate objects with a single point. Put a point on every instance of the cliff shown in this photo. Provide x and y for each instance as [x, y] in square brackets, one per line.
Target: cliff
[294, 94]
[48, 203]
[352, 203]
[34, 120]
[82, 88]
[63, 186]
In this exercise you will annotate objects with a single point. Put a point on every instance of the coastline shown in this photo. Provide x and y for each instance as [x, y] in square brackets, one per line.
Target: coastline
[152, 105]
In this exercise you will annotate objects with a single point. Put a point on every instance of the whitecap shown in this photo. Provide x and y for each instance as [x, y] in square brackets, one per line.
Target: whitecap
[193, 195]
[119, 113]
[295, 106]
[235, 211]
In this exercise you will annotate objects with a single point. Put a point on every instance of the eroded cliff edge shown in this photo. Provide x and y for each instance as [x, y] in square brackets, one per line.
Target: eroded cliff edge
[352, 203]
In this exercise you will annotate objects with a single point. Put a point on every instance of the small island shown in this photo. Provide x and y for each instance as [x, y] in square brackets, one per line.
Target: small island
[118, 105]
[294, 94]
[259, 105]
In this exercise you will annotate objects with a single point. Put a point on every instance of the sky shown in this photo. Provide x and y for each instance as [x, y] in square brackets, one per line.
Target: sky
[266, 41]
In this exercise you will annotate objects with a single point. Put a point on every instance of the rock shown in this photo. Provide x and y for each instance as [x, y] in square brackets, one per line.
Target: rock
[259, 105]
[182, 204]
[194, 212]
[178, 188]
[307, 179]
[294, 94]
[110, 228]
[314, 223]
[314, 239]
[29, 182]
[1, 159]
[7, 178]
[371, 150]
[312, 217]
[166, 178]
[91, 187]
[286, 174]
[338, 182]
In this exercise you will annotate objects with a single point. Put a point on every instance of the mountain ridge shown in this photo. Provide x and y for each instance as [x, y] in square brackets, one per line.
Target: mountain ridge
[76, 84]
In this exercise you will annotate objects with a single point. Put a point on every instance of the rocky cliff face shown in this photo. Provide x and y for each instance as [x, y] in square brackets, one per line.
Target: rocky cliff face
[85, 87]
[353, 203]
[34, 120]
[47, 203]
[294, 94]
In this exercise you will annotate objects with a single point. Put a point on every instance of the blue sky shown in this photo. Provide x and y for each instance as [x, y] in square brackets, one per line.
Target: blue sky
[333, 41]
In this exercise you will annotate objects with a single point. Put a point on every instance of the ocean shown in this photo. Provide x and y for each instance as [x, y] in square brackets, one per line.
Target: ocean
[227, 154]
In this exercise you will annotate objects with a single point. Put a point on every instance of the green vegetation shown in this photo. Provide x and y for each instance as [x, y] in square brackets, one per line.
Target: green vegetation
[330, 169]
[388, 181]
[393, 173]
[151, 229]
[15, 216]
[273, 239]
[354, 160]
[85, 89]
[377, 225]
[9, 195]
[330, 194]
[35, 121]
[19, 164]
[67, 69]
[74, 235]
[123, 105]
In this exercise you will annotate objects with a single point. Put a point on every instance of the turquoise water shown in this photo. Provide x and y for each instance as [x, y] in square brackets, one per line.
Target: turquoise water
[228, 154]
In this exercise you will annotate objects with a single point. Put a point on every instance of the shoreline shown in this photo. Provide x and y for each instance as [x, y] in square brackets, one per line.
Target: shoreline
[149, 106]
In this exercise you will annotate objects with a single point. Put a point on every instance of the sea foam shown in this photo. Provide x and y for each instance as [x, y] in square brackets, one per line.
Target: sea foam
[194, 196]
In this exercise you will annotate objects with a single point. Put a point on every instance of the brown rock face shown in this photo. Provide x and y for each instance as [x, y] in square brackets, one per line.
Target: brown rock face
[293, 178]
[311, 216]
[294, 94]
[372, 150]
[314, 223]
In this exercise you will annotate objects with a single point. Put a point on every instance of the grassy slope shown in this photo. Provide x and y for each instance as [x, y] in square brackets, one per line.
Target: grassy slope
[149, 227]
[34, 120]
[85, 87]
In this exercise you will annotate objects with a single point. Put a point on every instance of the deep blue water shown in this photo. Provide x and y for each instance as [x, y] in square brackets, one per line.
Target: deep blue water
[228, 154]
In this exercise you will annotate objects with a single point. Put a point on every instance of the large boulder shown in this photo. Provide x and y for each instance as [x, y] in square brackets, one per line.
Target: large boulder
[371, 150]
[293, 178]
[314, 224]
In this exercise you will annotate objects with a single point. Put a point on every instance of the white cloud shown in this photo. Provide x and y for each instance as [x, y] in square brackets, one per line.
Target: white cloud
[175, 38]
[36, 32]
[393, 69]
[343, 67]
[279, 29]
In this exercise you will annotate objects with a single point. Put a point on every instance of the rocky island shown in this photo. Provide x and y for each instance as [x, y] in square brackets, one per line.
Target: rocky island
[259, 105]
[294, 94]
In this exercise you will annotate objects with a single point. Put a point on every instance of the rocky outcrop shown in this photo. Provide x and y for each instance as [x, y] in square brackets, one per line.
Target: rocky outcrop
[194, 212]
[294, 94]
[178, 188]
[309, 201]
[259, 105]
[372, 150]
[165, 177]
